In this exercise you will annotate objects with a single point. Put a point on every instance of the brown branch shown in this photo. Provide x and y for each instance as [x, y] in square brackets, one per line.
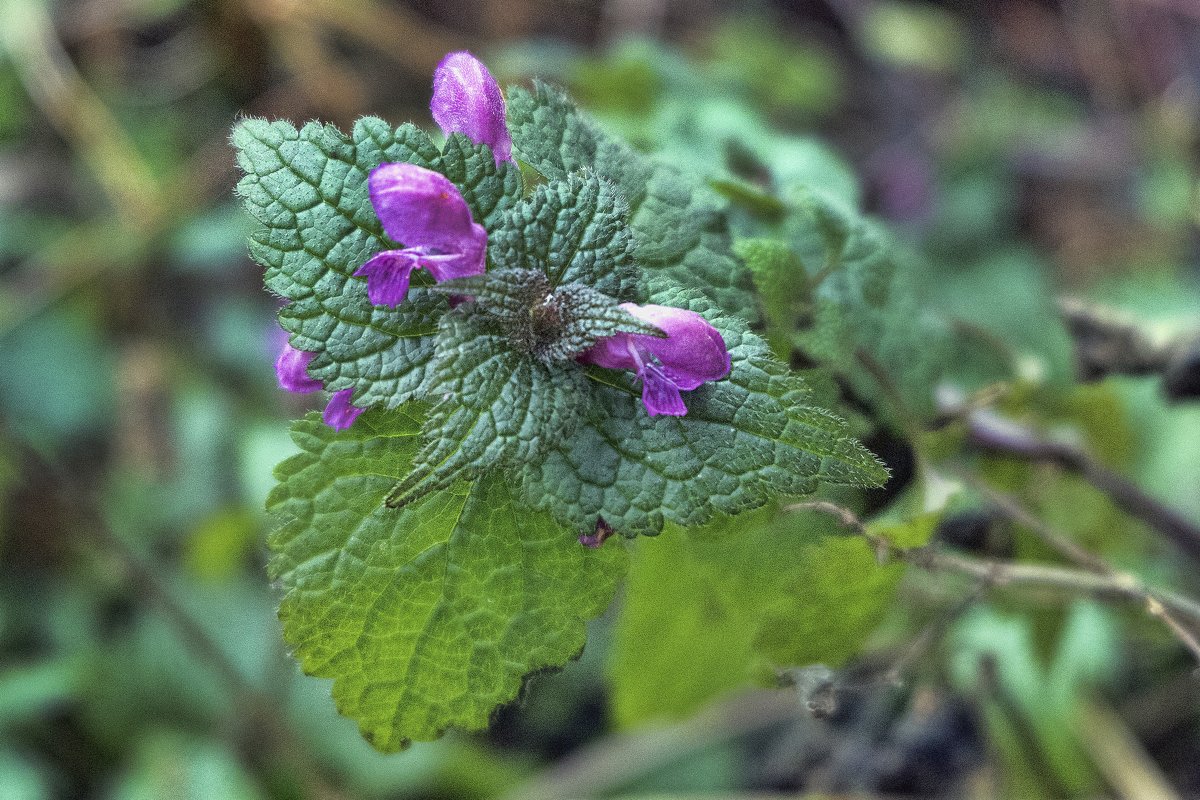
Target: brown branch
[1013, 511]
[1005, 573]
[77, 112]
[618, 759]
[249, 702]
[991, 433]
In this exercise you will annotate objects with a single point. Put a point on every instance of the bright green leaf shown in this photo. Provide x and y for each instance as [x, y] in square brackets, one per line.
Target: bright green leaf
[708, 610]
[431, 616]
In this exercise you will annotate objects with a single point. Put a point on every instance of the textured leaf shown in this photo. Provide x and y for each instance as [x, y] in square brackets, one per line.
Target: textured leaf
[576, 231]
[678, 224]
[499, 406]
[745, 439]
[588, 315]
[554, 326]
[308, 188]
[430, 616]
[712, 609]
[782, 286]
[864, 319]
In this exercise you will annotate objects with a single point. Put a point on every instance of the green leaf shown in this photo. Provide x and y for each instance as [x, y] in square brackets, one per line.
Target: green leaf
[1039, 707]
[576, 231]
[678, 223]
[918, 36]
[431, 616]
[308, 188]
[587, 315]
[554, 326]
[782, 287]
[709, 610]
[864, 318]
[745, 440]
[499, 407]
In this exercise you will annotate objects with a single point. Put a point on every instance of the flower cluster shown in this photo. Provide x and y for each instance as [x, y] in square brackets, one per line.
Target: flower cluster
[427, 213]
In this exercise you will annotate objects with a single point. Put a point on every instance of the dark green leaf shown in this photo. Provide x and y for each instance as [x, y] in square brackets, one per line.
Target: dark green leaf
[745, 439]
[498, 407]
[576, 231]
[308, 188]
[678, 223]
[554, 326]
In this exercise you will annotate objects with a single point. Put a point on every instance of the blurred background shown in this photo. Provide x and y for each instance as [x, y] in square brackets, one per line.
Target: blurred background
[1022, 150]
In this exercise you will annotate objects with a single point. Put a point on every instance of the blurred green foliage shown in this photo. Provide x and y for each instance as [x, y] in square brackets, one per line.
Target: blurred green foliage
[139, 420]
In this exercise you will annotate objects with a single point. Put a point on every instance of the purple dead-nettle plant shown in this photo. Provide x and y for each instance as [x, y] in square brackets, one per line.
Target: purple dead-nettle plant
[425, 211]
[505, 441]
[692, 353]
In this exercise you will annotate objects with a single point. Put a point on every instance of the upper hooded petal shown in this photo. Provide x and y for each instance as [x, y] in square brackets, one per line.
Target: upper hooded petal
[467, 100]
[423, 209]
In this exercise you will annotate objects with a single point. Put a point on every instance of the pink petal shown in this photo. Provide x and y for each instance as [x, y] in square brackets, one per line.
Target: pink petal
[467, 100]
[339, 414]
[291, 368]
[387, 275]
[660, 395]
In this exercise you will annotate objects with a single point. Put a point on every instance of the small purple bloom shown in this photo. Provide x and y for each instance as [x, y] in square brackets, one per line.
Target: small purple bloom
[292, 370]
[467, 100]
[593, 540]
[425, 211]
[339, 414]
[693, 352]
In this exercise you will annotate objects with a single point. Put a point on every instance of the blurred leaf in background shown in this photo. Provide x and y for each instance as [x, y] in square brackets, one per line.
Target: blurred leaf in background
[1012, 152]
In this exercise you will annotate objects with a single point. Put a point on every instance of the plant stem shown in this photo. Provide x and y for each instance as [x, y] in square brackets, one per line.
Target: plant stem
[992, 433]
[1161, 603]
[1155, 607]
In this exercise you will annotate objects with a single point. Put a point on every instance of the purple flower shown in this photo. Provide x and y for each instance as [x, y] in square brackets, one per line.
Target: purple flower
[292, 370]
[426, 212]
[339, 414]
[593, 540]
[467, 100]
[693, 352]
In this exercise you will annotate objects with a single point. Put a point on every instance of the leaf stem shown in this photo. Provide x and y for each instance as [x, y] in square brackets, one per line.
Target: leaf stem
[1012, 510]
[1163, 604]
